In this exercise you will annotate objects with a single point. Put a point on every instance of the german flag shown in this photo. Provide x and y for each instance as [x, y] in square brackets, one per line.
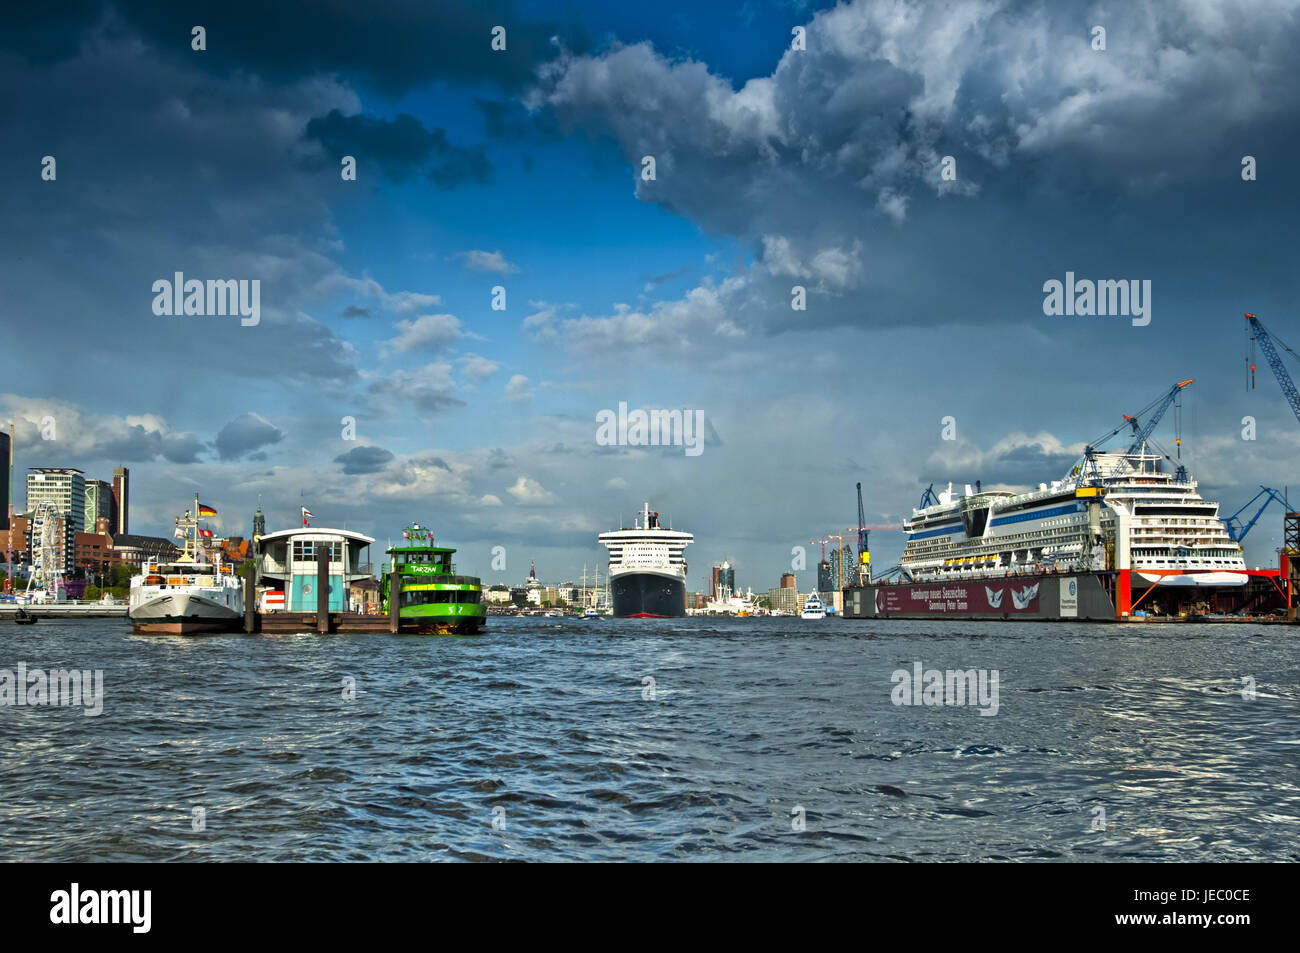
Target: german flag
[205, 510]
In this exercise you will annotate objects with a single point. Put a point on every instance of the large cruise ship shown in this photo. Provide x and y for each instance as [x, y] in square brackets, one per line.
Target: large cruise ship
[647, 568]
[1077, 524]
[1121, 511]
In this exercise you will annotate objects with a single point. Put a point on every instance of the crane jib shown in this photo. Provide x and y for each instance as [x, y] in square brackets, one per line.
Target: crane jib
[1266, 342]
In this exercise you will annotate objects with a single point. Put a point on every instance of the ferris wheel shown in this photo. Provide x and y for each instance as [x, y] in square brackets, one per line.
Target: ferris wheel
[45, 549]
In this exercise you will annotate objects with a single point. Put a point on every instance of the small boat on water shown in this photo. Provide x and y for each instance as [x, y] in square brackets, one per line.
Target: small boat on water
[813, 608]
[433, 599]
[24, 617]
[591, 613]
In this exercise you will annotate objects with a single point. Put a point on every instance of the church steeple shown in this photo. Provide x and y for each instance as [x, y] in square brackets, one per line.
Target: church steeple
[259, 521]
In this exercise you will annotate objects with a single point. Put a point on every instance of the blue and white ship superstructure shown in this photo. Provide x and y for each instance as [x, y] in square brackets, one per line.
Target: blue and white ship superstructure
[1171, 530]
[1081, 523]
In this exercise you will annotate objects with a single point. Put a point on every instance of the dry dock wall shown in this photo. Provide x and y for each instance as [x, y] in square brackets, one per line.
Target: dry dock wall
[1038, 598]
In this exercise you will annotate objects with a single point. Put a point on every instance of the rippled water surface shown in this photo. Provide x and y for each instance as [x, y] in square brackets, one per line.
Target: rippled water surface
[544, 725]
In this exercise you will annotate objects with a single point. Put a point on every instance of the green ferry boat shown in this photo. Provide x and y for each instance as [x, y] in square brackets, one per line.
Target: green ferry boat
[432, 598]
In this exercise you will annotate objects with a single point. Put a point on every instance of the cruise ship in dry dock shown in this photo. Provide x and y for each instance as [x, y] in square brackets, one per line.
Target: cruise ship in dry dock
[1118, 527]
[1175, 536]
[647, 568]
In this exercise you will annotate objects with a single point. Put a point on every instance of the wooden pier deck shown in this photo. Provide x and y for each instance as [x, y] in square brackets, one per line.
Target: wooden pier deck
[338, 623]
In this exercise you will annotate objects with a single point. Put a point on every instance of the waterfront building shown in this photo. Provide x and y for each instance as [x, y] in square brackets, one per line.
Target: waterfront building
[825, 581]
[843, 557]
[64, 487]
[15, 541]
[134, 550]
[785, 599]
[288, 563]
[787, 580]
[121, 521]
[92, 553]
[364, 595]
[724, 577]
[99, 503]
[497, 595]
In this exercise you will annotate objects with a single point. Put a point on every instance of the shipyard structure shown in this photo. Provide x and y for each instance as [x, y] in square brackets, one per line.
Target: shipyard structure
[1125, 535]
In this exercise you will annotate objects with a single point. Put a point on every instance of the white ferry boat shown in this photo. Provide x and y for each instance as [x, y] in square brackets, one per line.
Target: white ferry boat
[813, 608]
[188, 594]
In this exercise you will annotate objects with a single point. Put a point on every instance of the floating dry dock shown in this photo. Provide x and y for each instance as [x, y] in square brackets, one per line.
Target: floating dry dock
[1096, 596]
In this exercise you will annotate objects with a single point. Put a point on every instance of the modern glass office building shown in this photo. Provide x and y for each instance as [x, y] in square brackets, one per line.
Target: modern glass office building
[65, 487]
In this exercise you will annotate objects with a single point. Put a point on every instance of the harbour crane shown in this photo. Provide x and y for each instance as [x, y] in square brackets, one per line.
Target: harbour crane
[1087, 473]
[1162, 404]
[928, 498]
[1235, 528]
[1267, 340]
[864, 543]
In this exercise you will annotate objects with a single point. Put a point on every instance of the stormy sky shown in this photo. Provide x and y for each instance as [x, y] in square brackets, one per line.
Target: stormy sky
[920, 169]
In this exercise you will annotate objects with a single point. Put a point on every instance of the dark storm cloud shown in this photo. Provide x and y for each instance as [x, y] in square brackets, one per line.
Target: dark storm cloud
[154, 177]
[392, 45]
[829, 169]
[245, 434]
[1016, 464]
[401, 148]
[360, 460]
[182, 448]
[129, 443]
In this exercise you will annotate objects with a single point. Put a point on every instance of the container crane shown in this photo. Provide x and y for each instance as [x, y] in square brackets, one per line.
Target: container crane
[1267, 340]
[1235, 528]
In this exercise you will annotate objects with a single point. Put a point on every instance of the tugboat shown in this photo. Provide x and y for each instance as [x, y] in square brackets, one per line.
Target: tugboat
[434, 600]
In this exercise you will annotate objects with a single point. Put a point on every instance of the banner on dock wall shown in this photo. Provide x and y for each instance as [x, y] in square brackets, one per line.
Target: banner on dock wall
[1070, 598]
[1000, 597]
